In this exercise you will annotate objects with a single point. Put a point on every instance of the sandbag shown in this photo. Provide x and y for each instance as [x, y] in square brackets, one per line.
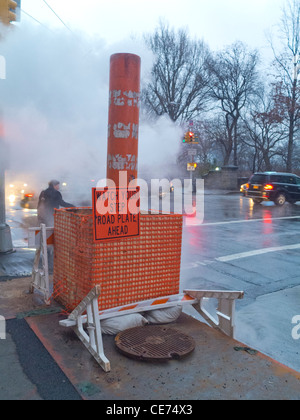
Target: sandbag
[112, 326]
[163, 316]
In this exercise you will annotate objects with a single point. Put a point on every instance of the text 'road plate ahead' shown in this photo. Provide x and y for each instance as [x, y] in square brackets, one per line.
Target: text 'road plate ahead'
[116, 213]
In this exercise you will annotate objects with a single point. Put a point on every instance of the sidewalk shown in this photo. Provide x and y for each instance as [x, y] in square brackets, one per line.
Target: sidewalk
[27, 370]
[42, 360]
[16, 264]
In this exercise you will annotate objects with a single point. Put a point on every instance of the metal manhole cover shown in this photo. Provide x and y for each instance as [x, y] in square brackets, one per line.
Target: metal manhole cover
[154, 343]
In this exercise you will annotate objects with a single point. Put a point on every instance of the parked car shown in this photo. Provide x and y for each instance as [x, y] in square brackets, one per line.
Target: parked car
[274, 186]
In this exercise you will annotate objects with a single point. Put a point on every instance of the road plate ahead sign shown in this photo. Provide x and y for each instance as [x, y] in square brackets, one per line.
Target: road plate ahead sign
[116, 213]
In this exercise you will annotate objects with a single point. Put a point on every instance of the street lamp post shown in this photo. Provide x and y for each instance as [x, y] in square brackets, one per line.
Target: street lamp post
[6, 245]
[9, 12]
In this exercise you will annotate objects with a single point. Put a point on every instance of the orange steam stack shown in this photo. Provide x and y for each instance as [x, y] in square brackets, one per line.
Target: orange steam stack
[123, 117]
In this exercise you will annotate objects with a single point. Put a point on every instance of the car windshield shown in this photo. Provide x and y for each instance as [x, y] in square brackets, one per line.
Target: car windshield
[259, 179]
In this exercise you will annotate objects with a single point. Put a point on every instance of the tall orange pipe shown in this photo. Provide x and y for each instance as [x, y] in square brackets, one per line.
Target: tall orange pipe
[123, 117]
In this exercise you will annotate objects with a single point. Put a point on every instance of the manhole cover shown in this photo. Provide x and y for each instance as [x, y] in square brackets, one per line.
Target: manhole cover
[154, 343]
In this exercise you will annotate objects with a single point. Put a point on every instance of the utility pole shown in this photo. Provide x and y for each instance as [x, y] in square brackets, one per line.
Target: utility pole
[6, 245]
[191, 138]
[8, 10]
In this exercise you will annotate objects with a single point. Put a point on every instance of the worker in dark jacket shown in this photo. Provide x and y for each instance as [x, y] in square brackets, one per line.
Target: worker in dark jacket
[49, 200]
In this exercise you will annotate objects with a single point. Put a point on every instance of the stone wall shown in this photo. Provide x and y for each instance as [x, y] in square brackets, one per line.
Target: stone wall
[224, 179]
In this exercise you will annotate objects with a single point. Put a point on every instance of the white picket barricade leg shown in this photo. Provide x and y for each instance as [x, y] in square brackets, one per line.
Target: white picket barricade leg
[92, 339]
[40, 276]
[88, 327]
[225, 320]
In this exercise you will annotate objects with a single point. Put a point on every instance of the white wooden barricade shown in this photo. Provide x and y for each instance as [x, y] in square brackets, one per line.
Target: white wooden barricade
[91, 336]
[41, 238]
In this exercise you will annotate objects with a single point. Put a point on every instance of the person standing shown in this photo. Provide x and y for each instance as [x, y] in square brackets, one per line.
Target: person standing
[49, 200]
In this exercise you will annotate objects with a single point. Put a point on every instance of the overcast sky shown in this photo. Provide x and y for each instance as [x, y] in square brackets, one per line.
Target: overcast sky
[218, 22]
[55, 96]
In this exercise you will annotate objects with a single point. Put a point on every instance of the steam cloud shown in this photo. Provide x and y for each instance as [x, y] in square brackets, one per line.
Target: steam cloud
[54, 103]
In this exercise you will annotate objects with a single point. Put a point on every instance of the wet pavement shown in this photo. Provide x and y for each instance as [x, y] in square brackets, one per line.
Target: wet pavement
[237, 246]
[40, 360]
[16, 264]
[254, 248]
[33, 373]
[215, 370]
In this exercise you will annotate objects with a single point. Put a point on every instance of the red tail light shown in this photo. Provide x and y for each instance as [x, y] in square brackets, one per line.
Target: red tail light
[268, 187]
[29, 195]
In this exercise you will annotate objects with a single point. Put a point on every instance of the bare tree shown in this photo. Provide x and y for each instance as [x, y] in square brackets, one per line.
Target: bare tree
[286, 63]
[233, 81]
[217, 132]
[264, 129]
[179, 80]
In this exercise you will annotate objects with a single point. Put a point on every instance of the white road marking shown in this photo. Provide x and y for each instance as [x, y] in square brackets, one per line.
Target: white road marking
[241, 255]
[20, 243]
[250, 220]
[233, 257]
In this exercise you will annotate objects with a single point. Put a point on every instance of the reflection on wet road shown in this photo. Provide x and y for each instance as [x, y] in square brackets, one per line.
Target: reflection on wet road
[234, 225]
[255, 249]
[220, 208]
[19, 221]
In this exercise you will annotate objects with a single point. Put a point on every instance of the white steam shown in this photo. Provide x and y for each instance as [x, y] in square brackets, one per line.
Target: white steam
[55, 107]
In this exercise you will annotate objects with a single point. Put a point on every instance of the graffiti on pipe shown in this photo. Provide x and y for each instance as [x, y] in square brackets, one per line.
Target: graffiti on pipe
[122, 163]
[119, 98]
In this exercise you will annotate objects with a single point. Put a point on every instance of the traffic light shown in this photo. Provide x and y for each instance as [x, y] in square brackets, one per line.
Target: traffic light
[190, 137]
[186, 138]
[8, 10]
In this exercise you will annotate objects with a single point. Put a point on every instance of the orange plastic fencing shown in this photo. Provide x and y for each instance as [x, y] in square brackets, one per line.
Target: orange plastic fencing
[127, 270]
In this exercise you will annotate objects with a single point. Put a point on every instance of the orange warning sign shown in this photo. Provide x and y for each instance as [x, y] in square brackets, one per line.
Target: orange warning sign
[116, 213]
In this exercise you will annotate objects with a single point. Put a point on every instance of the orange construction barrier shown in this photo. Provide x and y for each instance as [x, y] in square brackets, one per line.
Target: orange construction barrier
[128, 270]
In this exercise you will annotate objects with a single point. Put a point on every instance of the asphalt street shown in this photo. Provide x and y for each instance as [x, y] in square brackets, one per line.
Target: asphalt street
[254, 248]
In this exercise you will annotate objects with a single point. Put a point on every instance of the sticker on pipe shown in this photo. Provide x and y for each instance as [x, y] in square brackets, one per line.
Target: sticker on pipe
[116, 213]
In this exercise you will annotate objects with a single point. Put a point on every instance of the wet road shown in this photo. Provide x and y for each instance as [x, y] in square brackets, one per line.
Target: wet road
[254, 248]
[233, 232]
[20, 220]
